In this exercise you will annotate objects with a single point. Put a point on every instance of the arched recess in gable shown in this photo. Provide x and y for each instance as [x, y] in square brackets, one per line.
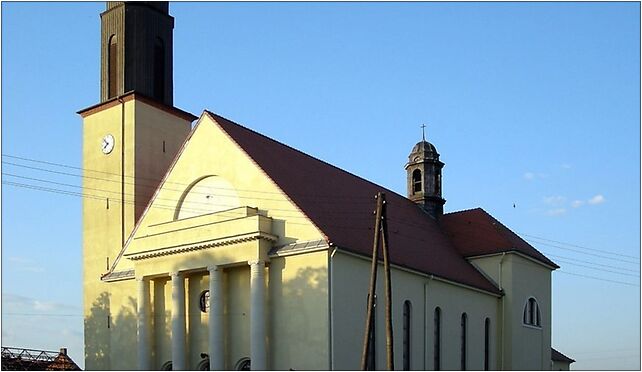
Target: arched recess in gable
[208, 194]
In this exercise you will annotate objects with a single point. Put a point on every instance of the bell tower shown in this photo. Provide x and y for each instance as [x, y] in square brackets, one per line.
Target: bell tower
[130, 139]
[424, 178]
[136, 50]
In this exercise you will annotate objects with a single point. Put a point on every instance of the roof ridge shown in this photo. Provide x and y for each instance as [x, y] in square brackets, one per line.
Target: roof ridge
[464, 211]
[305, 154]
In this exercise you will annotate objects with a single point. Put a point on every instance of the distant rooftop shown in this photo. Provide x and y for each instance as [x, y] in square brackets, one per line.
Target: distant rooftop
[16, 359]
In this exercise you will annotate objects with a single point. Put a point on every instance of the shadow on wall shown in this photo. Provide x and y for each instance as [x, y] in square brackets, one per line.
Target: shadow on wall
[123, 336]
[278, 229]
[110, 340]
[97, 334]
[298, 313]
[301, 319]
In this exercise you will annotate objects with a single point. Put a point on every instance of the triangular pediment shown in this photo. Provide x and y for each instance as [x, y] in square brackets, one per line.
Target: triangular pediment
[214, 195]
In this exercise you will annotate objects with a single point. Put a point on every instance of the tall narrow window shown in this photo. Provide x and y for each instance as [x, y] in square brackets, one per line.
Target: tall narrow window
[112, 67]
[407, 309]
[532, 315]
[438, 184]
[159, 70]
[437, 342]
[464, 319]
[416, 181]
[371, 358]
[487, 344]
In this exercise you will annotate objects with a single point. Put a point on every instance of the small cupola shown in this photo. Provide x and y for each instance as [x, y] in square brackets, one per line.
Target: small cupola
[424, 178]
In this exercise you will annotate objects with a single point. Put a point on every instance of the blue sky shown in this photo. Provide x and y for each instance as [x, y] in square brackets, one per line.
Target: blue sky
[531, 104]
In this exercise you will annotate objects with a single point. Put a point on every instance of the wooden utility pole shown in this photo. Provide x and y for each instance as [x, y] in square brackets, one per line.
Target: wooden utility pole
[386, 266]
[380, 229]
[373, 284]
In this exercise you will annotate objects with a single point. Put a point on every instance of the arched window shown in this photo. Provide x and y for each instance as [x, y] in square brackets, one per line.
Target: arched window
[464, 319]
[532, 315]
[244, 364]
[204, 301]
[437, 341]
[159, 69]
[486, 344]
[112, 67]
[203, 365]
[407, 310]
[416, 181]
[438, 184]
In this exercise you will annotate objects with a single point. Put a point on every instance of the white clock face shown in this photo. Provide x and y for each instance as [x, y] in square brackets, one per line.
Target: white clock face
[107, 144]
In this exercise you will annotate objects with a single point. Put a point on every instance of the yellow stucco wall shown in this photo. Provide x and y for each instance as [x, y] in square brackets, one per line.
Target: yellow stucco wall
[350, 278]
[299, 312]
[108, 311]
[525, 347]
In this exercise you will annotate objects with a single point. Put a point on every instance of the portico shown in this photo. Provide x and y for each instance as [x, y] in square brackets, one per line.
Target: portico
[216, 319]
[210, 261]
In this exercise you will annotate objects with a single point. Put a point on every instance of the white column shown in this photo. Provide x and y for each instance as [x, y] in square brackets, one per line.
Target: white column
[144, 346]
[178, 322]
[217, 362]
[257, 315]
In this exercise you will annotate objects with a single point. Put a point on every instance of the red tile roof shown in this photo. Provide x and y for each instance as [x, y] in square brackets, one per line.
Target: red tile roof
[341, 205]
[474, 232]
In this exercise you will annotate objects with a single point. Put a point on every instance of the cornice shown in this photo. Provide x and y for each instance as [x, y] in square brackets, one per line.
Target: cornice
[172, 250]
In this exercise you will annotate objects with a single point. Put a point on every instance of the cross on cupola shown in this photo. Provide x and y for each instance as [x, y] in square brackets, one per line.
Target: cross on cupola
[424, 177]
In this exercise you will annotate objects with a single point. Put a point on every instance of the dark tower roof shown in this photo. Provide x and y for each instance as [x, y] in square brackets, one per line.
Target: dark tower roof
[161, 6]
[425, 147]
[136, 50]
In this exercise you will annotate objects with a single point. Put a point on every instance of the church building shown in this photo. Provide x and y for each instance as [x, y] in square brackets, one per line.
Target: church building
[210, 246]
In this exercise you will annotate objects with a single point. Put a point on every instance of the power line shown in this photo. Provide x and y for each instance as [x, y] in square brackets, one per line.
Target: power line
[267, 192]
[197, 203]
[155, 181]
[483, 227]
[162, 187]
[606, 351]
[36, 314]
[586, 253]
[336, 226]
[579, 246]
[591, 263]
[86, 195]
[221, 213]
[597, 269]
[566, 272]
[602, 279]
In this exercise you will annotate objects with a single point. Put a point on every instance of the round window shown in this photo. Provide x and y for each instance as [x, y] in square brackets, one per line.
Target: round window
[243, 364]
[204, 365]
[204, 301]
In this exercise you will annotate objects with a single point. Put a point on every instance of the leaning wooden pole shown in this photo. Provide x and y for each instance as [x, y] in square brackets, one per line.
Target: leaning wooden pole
[388, 283]
[373, 284]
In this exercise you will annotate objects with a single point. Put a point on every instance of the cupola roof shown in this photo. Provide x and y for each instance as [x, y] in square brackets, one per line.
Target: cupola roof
[424, 146]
